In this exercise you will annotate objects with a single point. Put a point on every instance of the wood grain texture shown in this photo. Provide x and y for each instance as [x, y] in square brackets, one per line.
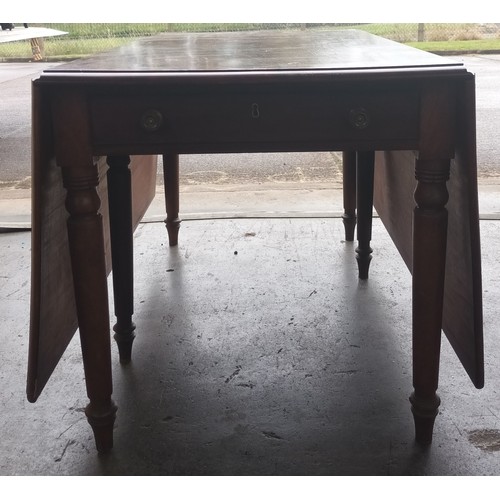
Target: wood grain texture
[393, 200]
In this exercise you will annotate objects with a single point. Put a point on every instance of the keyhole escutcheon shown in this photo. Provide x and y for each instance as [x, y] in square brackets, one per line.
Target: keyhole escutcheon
[255, 110]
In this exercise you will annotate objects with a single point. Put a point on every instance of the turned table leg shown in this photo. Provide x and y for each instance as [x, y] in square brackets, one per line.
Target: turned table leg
[364, 199]
[120, 215]
[429, 256]
[349, 193]
[86, 244]
[171, 180]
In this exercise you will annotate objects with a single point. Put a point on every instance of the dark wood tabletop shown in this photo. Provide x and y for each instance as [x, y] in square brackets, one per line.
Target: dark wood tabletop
[259, 51]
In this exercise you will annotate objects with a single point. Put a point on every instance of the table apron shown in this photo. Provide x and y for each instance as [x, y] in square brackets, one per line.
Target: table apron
[255, 122]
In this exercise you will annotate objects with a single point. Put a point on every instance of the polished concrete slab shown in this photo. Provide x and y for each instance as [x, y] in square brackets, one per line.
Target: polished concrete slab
[258, 352]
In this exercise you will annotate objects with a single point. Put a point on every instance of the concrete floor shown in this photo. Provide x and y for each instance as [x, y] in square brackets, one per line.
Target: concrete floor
[258, 352]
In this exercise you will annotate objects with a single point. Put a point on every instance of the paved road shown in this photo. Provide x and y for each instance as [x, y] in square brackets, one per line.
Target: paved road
[487, 70]
[15, 119]
[15, 145]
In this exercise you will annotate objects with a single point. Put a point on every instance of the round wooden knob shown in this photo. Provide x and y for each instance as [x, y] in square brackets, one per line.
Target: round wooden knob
[151, 120]
[359, 118]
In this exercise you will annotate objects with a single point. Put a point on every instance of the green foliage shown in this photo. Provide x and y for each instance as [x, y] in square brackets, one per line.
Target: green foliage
[80, 31]
[405, 33]
[460, 46]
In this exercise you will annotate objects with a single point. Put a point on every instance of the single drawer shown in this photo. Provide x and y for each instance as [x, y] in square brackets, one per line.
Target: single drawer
[217, 118]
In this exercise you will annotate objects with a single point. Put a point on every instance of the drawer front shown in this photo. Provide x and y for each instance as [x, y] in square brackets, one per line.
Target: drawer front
[293, 118]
